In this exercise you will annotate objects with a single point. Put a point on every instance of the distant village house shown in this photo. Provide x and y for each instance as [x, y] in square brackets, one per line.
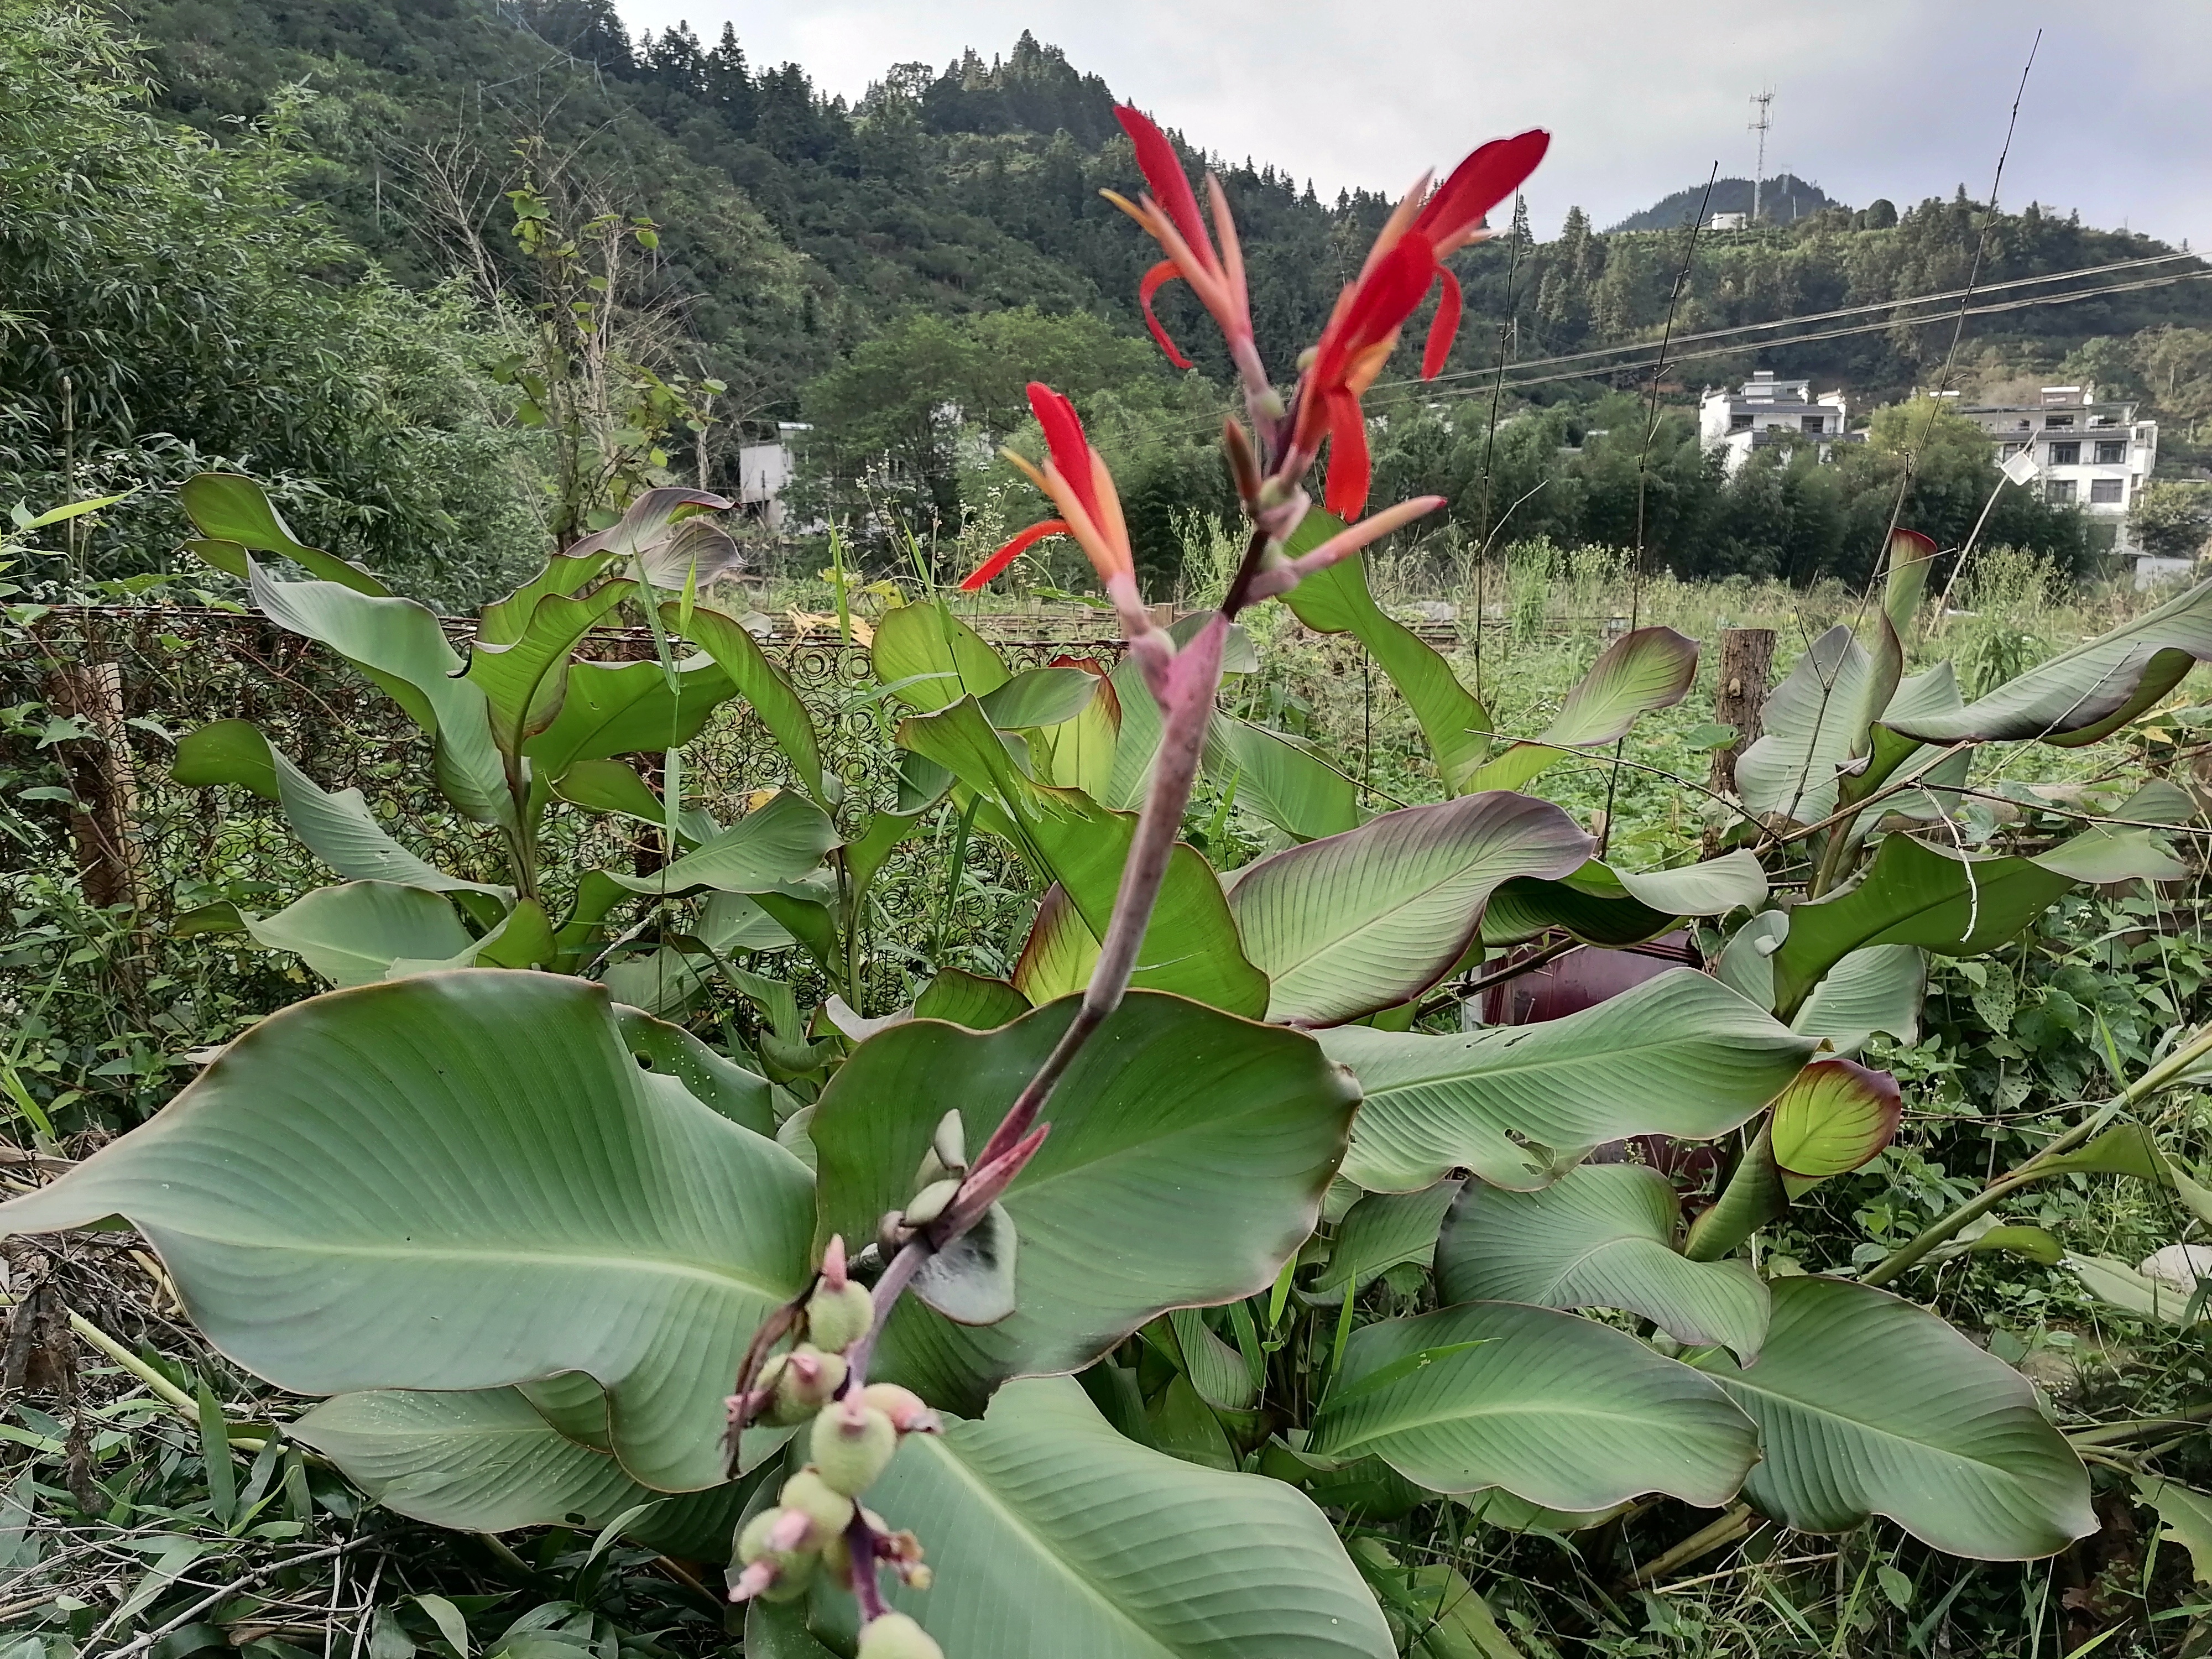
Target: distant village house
[1765, 411]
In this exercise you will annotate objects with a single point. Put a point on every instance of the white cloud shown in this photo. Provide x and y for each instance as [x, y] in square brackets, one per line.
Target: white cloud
[1895, 98]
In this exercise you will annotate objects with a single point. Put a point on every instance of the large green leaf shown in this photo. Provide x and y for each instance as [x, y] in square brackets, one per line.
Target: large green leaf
[1190, 946]
[229, 509]
[1835, 1115]
[1336, 601]
[774, 845]
[1879, 989]
[525, 679]
[483, 1460]
[1648, 668]
[458, 1181]
[1868, 1406]
[338, 826]
[626, 708]
[1600, 1236]
[1365, 919]
[1189, 1154]
[1610, 907]
[1811, 721]
[654, 527]
[1679, 1054]
[351, 934]
[765, 686]
[2080, 695]
[928, 659]
[1382, 1231]
[400, 646]
[1049, 1533]
[1557, 1409]
[1274, 776]
[1955, 904]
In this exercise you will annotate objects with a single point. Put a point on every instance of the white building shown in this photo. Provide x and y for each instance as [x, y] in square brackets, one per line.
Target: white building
[2096, 456]
[1729, 222]
[1764, 411]
[764, 471]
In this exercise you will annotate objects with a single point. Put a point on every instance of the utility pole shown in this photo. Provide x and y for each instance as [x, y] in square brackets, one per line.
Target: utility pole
[1764, 101]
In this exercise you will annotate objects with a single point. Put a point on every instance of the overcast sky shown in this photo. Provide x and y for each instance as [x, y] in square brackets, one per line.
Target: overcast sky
[1897, 98]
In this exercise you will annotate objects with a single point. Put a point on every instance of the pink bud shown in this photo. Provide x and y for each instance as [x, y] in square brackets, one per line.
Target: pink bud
[833, 1262]
[753, 1580]
[790, 1530]
[908, 1412]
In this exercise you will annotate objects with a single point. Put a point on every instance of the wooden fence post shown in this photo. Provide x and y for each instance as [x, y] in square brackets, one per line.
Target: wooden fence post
[1746, 663]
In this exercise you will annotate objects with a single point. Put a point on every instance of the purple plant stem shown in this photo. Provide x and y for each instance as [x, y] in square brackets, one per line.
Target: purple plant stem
[860, 1544]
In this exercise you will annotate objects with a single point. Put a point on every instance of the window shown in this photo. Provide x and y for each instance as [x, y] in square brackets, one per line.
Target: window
[1814, 423]
[2112, 454]
[2057, 420]
[2066, 454]
[2105, 492]
[1738, 422]
[2005, 451]
[2059, 492]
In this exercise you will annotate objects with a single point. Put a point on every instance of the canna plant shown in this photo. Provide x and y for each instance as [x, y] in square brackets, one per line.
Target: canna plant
[1053, 1303]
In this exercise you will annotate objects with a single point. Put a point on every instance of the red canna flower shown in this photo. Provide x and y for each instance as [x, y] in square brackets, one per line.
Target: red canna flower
[1407, 259]
[1169, 215]
[1081, 488]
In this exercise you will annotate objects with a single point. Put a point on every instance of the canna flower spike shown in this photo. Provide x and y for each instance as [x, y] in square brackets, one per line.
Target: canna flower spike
[1405, 263]
[1169, 214]
[1079, 484]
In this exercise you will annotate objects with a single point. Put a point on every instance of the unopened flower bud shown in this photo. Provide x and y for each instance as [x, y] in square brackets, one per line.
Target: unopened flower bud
[930, 1202]
[852, 1443]
[917, 1575]
[838, 1318]
[895, 1635]
[1270, 403]
[829, 1512]
[755, 1578]
[833, 1262]
[789, 1533]
[908, 1412]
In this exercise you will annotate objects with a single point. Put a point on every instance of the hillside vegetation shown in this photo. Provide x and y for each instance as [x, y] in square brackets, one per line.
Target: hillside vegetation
[810, 252]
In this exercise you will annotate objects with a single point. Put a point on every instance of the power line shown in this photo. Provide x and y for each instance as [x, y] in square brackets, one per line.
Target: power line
[1824, 316]
[1819, 334]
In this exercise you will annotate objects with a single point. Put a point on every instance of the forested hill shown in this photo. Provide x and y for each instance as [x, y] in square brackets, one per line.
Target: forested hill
[799, 225]
[889, 270]
[1784, 199]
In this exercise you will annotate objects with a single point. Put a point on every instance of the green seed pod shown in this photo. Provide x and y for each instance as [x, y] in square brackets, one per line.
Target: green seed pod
[852, 1443]
[752, 1537]
[895, 1635]
[792, 1580]
[837, 1319]
[830, 1512]
[930, 1202]
[804, 1381]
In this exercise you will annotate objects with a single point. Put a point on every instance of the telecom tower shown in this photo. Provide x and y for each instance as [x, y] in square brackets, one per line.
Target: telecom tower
[1764, 101]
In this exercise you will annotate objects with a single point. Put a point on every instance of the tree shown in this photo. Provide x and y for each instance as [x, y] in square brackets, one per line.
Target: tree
[2173, 521]
[172, 303]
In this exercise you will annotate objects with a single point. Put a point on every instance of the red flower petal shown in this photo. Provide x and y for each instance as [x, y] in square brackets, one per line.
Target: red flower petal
[1350, 468]
[1443, 329]
[1163, 171]
[1012, 550]
[1063, 435]
[1481, 182]
[1156, 279]
[1389, 293]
